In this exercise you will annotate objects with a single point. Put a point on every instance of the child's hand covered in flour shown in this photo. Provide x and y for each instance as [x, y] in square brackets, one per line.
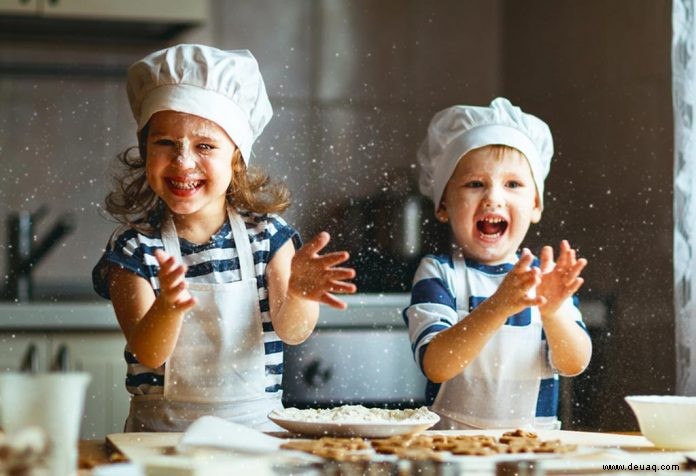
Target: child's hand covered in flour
[559, 280]
[517, 291]
[173, 290]
[317, 277]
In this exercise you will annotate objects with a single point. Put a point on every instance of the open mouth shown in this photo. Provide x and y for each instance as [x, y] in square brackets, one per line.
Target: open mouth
[184, 187]
[491, 227]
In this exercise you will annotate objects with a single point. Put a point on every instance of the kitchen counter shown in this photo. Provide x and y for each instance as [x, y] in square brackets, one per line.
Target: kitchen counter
[48, 316]
[385, 310]
[364, 310]
[594, 451]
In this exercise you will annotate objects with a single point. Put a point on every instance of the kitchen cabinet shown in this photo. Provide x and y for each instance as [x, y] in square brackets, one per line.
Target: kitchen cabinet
[19, 7]
[99, 353]
[133, 10]
[102, 20]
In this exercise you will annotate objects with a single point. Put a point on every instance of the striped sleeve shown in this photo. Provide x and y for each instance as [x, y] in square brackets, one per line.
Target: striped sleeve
[280, 232]
[433, 307]
[131, 251]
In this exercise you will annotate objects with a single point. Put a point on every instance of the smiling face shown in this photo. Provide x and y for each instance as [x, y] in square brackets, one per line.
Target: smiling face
[189, 163]
[490, 202]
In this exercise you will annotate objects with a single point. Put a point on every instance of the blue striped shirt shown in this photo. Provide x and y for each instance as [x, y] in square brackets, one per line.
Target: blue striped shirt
[434, 308]
[212, 262]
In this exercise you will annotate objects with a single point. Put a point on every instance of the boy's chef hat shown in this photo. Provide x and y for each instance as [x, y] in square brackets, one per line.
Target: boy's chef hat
[459, 129]
[225, 87]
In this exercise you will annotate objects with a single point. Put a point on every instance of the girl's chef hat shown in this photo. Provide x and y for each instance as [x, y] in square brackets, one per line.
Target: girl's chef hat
[225, 87]
[459, 129]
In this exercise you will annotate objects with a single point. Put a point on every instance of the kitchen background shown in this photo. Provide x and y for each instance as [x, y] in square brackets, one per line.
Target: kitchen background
[354, 84]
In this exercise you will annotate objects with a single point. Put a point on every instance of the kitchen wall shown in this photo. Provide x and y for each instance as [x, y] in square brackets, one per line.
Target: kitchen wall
[599, 73]
[354, 84]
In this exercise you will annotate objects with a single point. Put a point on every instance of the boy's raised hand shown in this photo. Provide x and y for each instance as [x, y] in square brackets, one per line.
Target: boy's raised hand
[559, 280]
[173, 290]
[316, 277]
[517, 291]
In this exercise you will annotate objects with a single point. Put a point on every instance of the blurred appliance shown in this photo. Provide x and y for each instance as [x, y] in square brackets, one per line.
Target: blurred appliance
[387, 235]
[358, 356]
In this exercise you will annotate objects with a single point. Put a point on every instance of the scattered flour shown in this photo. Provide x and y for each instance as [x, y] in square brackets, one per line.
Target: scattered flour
[356, 414]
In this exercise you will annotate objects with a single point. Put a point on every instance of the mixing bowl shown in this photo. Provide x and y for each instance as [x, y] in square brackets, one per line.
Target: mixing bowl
[668, 421]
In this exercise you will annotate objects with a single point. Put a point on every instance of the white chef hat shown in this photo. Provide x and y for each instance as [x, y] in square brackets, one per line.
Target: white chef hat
[225, 87]
[457, 130]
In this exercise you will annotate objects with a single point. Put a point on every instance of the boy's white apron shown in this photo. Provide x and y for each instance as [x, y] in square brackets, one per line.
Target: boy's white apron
[217, 367]
[499, 389]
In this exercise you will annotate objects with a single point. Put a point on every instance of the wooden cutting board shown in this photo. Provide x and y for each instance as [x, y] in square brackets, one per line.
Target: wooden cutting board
[137, 446]
[156, 452]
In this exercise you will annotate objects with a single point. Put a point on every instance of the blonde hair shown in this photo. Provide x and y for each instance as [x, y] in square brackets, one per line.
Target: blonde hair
[133, 203]
[500, 150]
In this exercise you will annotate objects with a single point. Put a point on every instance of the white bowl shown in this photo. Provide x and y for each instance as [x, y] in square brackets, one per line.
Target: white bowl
[668, 421]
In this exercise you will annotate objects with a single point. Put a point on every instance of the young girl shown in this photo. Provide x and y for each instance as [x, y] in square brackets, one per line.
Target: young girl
[205, 278]
[491, 328]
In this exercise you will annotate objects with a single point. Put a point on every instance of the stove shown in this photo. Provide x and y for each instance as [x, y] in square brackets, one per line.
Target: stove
[358, 356]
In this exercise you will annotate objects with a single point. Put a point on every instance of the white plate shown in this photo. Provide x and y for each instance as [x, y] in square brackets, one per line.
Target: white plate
[365, 430]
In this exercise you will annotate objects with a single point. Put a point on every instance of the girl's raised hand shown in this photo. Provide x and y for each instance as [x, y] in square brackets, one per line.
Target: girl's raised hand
[559, 280]
[316, 277]
[173, 290]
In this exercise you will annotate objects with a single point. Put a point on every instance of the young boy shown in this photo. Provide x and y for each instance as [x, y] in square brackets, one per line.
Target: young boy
[492, 328]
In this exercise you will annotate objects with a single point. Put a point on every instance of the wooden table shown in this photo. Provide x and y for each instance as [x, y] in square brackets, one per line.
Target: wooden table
[95, 452]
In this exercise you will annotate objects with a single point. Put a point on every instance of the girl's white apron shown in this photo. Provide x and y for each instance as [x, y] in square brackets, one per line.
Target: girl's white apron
[499, 389]
[218, 366]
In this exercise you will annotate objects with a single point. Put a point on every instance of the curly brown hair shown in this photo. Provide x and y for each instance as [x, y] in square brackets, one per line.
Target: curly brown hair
[133, 202]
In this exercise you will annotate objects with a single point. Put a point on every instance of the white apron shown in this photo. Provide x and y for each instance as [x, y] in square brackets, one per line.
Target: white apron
[218, 366]
[499, 389]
